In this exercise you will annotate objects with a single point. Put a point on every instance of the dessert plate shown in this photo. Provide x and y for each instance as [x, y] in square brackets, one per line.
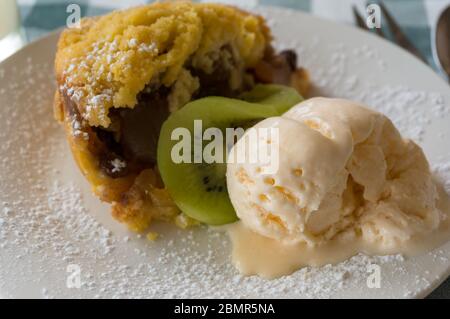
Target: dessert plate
[58, 240]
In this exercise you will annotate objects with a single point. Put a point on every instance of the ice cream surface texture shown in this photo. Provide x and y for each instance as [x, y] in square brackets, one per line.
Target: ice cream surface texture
[345, 173]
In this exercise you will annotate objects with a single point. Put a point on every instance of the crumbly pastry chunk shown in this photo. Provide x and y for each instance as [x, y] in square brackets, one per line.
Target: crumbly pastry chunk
[119, 77]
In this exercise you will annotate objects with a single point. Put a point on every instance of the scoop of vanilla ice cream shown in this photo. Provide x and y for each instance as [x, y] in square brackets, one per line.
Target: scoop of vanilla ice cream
[343, 170]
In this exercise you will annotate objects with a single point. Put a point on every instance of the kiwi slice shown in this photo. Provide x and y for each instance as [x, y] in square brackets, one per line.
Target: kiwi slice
[199, 189]
[282, 98]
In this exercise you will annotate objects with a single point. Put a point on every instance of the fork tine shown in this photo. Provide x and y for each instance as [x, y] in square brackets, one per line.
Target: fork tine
[398, 34]
[359, 19]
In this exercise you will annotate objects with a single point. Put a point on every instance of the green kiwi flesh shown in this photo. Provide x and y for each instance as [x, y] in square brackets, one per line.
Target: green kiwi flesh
[199, 189]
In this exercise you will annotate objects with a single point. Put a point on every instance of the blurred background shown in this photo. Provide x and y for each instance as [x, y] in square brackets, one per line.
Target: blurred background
[415, 27]
[22, 21]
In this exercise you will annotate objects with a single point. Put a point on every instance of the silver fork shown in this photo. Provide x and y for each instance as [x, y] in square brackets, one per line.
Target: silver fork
[398, 34]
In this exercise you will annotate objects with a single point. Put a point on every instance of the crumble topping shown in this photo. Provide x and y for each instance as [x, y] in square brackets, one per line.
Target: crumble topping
[110, 59]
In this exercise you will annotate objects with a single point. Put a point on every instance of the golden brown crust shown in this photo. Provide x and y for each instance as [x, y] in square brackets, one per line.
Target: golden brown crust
[85, 148]
[301, 82]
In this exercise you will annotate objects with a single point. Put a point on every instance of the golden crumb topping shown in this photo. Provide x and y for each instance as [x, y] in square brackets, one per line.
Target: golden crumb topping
[110, 59]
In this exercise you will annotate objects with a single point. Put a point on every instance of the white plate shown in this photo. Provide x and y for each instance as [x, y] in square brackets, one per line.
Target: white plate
[51, 225]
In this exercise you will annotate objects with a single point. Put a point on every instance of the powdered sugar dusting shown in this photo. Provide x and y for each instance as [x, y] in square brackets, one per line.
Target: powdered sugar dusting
[117, 165]
[340, 70]
[442, 170]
